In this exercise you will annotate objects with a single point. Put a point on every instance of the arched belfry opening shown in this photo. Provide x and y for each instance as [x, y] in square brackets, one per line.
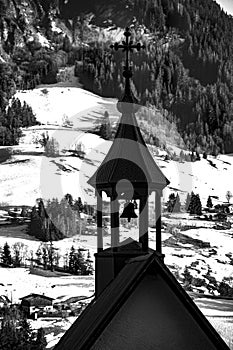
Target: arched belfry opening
[128, 173]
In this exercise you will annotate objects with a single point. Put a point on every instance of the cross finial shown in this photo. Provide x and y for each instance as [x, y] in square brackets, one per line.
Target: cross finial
[127, 46]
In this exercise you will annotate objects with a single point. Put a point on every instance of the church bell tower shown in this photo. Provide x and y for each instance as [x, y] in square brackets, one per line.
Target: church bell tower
[128, 173]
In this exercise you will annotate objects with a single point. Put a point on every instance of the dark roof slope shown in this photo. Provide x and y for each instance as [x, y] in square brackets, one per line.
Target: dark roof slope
[34, 295]
[128, 158]
[95, 318]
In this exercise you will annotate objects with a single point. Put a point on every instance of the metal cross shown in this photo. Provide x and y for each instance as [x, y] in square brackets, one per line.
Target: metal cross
[127, 46]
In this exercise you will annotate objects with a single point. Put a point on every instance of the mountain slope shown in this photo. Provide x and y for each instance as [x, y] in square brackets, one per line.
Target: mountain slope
[67, 114]
[186, 69]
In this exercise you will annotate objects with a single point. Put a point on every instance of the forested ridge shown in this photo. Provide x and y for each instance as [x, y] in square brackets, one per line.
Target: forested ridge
[186, 68]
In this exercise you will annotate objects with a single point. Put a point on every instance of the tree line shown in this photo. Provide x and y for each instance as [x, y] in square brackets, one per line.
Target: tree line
[15, 117]
[192, 204]
[76, 261]
[186, 70]
[55, 219]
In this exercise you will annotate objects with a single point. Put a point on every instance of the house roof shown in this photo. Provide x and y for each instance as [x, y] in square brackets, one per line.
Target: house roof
[128, 158]
[34, 295]
[99, 313]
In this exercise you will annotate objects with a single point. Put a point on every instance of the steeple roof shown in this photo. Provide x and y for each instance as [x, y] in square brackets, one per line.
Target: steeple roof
[129, 158]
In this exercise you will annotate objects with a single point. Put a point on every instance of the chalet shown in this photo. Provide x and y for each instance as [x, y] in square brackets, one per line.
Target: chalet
[138, 303]
[36, 302]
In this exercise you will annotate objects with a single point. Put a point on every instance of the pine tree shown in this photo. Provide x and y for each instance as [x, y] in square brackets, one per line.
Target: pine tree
[195, 206]
[6, 255]
[39, 256]
[187, 202]
[228, 196]
[67, 44]
[191, 202]
[209, 203]
[89, 269]
[198, 205]
[105, 127]
[72, 260]
[51, 148]
[187, 281]
[171, 202]
[17, 248]
[177, 204]
[23, 212]
[78, 205]
[51, 256]
[69, 199]
[45, 257]
[80, 263]
[35, 226]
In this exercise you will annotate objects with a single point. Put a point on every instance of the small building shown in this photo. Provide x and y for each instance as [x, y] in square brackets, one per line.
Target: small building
[36, 302]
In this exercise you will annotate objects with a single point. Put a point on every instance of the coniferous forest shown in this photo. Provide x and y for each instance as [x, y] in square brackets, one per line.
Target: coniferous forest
[186, 68]
[58, 219]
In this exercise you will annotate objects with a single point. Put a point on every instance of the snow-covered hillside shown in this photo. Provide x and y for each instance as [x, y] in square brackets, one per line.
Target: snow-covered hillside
[66, 114]
[54, 104]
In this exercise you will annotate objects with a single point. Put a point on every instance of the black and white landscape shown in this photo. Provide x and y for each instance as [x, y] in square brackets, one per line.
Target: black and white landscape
[59, 86]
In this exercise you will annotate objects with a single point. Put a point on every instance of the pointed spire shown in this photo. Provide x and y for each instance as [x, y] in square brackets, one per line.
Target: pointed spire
[127, 46]
[128, 157]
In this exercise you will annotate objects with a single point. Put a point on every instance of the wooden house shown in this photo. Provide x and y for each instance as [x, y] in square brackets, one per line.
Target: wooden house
[36, 302]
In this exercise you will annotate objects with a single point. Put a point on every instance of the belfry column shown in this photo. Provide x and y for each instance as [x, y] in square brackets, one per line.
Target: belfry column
[115, 222]
[143, 222]
[99, 222]
[158, 221]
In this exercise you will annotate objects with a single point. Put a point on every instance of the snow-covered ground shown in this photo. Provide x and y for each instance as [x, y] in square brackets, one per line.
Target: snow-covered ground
[19, 283]
[204, 259]
[29, 175]
[54, 104]
[22, 182]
